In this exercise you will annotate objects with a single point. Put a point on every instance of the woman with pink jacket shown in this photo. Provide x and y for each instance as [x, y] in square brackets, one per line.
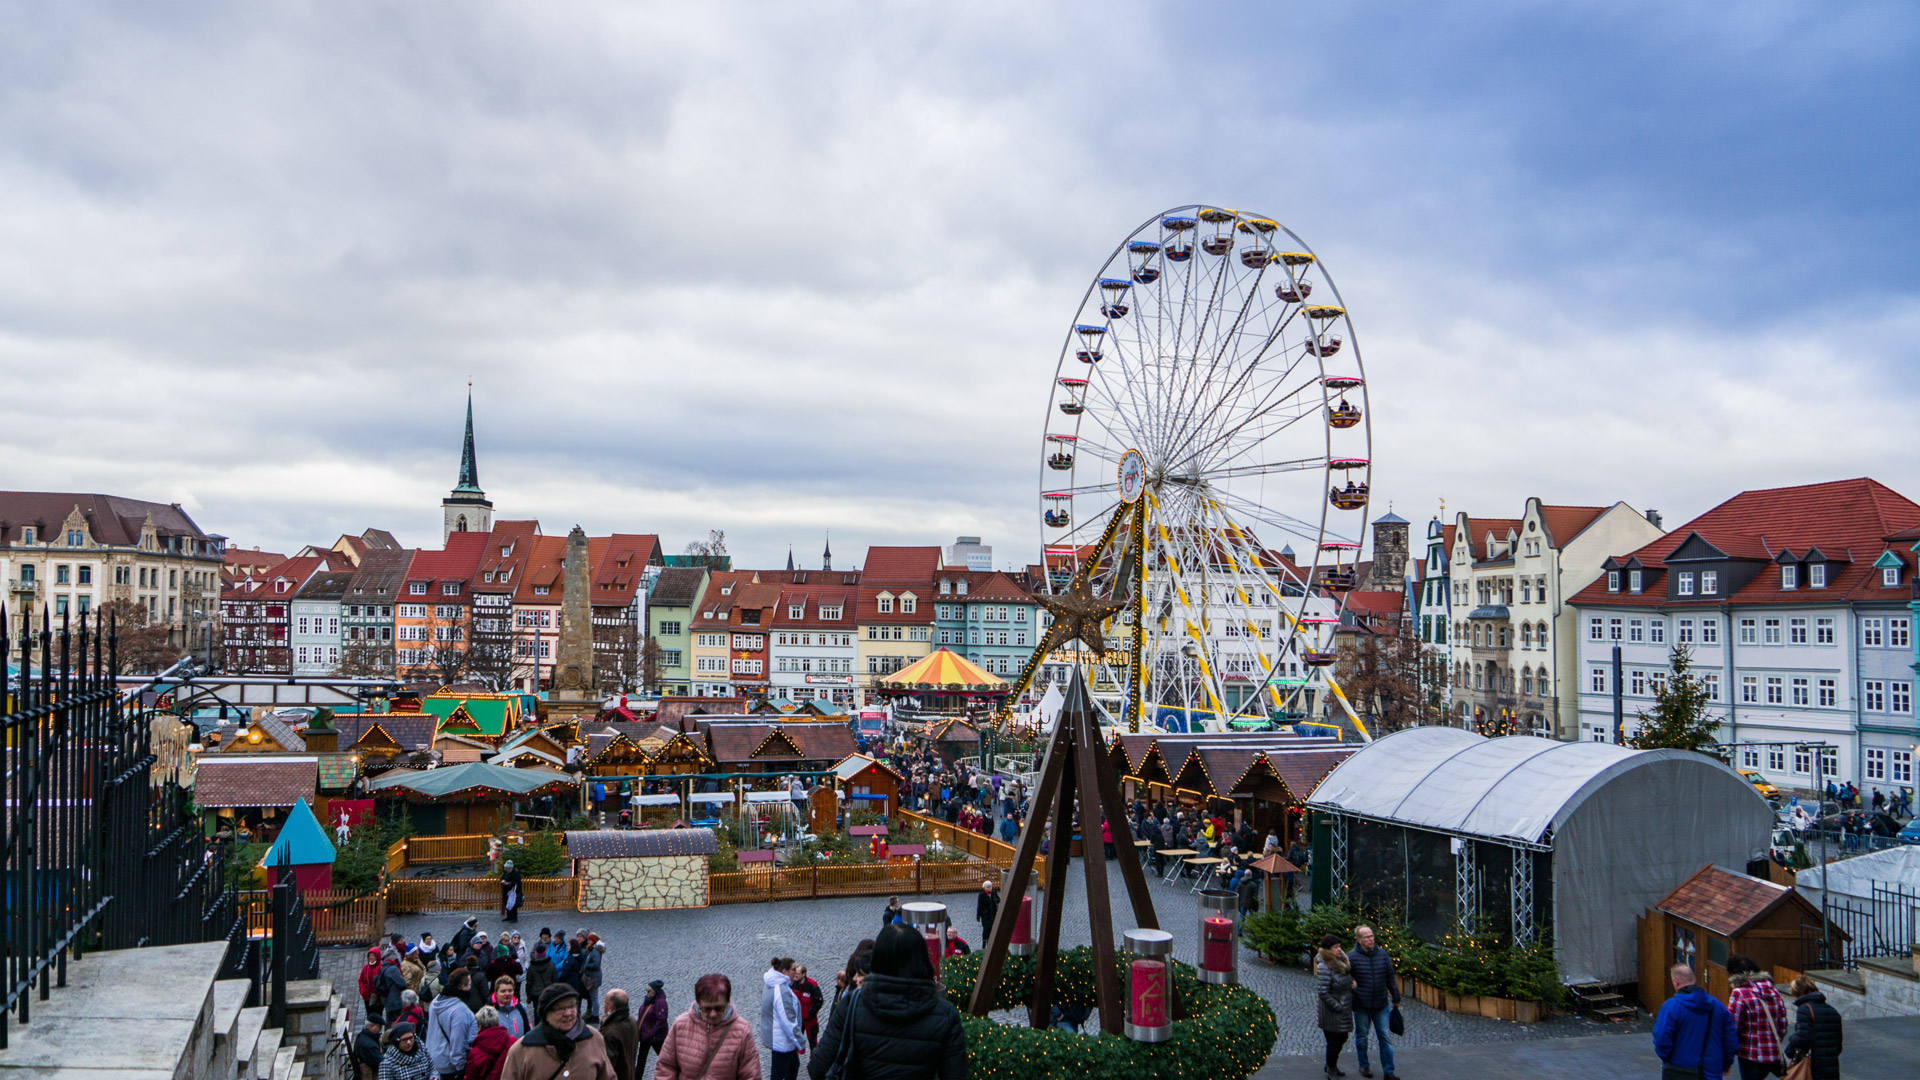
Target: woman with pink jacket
[710, 1041]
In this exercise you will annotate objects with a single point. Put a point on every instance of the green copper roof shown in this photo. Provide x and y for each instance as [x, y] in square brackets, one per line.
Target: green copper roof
[492, 716]
[469, 468]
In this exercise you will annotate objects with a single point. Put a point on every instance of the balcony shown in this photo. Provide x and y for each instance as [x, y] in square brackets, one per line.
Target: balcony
[19, 587]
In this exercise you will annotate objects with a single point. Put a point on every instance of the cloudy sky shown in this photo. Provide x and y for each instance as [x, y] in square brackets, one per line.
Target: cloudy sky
[785, 268]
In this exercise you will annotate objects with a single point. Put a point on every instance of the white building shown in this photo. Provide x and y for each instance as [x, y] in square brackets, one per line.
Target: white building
[1513, 647]
[1796, 604]
[812, 651]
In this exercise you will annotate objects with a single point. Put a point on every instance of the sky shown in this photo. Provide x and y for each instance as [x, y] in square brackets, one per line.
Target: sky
[785, 270]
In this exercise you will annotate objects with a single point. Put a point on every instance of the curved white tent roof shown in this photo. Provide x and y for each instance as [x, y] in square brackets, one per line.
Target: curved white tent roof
[1454, 781]
[1854, 879]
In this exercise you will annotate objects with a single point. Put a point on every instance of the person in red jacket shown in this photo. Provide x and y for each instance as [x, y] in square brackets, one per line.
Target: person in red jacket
[811, 999]
[487, 1054]
[368, 972]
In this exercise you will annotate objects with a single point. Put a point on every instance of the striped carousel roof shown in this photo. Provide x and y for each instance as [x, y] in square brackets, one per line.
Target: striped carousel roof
[944, 668]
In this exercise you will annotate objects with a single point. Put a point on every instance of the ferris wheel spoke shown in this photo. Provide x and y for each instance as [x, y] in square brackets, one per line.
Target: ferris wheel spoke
[1269, 468]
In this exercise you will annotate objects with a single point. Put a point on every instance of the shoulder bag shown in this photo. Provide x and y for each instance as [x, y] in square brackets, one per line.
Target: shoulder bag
[842, 1066]
[1698, 1072]
[1796, 1070]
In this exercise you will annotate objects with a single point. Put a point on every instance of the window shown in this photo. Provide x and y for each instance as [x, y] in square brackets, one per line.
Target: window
[1898, 634]
[446, 611]
[63, 574]
[1823, 631]
[908, 603]
[1613, 581]
[1683, 583]
[27, 535]
[1902, 767]
[1800, 690]
[417, 588]
[1749, 631]
[1873, 632]
[1770, 631]
[1890, 577]
[1900, 698]
[1637, 683]
[542, 590]
[1526, 635]
[1829, 761]
[1876, 764]
[1633, 581]
[1526, 591]
[1776, 758]
[922, 633]
[1796, 631]
[830, 612]
[1595, 629]
[1873, 696]
[1829, 693]
[710, 663]
[1789, 576]
[1709, 631]
[1659, 682]
[1817, 575]
[303, 624]
[1683, 632]
[1636, 630]
[1776, 690]
[1749, 757]
[1614, 628]
[449, 588]
[1802, 760]
[1711, 681]
[1709, 582]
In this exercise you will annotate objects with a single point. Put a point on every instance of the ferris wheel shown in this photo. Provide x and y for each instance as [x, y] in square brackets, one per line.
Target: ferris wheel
[1206, 461]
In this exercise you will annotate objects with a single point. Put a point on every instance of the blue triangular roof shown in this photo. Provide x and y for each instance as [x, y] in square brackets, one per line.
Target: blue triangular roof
[302, 838]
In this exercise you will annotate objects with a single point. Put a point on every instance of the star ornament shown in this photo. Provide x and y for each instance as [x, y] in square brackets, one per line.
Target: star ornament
[1078, 615]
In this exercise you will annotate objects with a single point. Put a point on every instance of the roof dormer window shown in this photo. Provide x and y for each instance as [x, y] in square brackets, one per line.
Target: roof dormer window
[946, 587]
[884, 603]
[417, 588]
[1817, 575]
[962, 587]
[449, 588]
[1613, 581]
[908, 602]
[797, 610]
[1789, 576]
[1890, 577]
[26, 534]
[1633, 581]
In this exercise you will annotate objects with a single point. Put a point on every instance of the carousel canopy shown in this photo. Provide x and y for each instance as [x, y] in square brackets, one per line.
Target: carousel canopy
[474, 776]
[944, 670]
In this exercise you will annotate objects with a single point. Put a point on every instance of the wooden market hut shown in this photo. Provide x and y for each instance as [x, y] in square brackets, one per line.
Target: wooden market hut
[776, 749]
[491, 717]
[1715, 914]
[253, 789]
[477, 797]
[1265, 785]
[532, 748]
[952, 739]
[380, 739]
[867, 784]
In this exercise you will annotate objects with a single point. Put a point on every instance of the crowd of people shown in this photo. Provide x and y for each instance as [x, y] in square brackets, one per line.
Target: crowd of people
[516, 1009]
[1696, 1035]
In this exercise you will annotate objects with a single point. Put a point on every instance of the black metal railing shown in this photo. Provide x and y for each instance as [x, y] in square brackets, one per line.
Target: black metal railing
[97, 848]
[295, 950]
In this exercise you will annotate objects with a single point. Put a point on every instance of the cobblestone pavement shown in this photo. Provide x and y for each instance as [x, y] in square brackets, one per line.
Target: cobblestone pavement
[739, 939]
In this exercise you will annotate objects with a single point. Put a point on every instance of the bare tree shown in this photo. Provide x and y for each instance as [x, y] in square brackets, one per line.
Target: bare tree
[143, 647]
[714, 544]
[651, 658]
[1389, 674]
[365, 660]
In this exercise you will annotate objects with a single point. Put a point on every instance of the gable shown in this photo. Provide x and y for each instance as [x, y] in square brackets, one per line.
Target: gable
[1695, 546]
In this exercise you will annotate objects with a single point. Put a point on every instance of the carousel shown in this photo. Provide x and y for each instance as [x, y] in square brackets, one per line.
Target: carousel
[943, 683]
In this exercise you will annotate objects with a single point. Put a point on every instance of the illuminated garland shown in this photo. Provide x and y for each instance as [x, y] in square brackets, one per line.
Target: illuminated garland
[1228, 1032]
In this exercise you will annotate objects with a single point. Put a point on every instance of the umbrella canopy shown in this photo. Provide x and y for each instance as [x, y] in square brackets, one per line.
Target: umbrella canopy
[1274, 864]
[942, 670]
[477, 779]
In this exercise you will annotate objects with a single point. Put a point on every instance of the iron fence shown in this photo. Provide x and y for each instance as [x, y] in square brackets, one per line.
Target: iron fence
[98, 849]
[1886, 922]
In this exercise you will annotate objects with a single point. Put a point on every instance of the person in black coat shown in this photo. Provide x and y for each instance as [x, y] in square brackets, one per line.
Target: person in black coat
[986, 906]
[368, 1050]
[893, 912]
[1816, 1029]
[902, 1026]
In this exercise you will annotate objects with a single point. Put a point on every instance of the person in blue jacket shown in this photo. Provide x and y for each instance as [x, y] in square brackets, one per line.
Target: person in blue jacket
[1694, 1034]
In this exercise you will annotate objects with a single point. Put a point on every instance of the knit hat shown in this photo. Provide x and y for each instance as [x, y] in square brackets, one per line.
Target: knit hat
[657, 984]
[400, 1029]
[554, 995]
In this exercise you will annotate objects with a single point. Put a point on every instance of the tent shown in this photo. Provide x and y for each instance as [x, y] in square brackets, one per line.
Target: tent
[1530, 836]
[306, 849]
[1853, 881]
[469, 798]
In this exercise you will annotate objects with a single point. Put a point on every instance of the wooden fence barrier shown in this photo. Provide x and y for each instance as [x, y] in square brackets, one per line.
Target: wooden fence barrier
[980, 847]
[434, 850]
[440, 896]
[342, 918]
[858, 879]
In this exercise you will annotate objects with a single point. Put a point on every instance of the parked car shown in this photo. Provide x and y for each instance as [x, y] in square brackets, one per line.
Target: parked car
[1910, 834]
[1761, 784]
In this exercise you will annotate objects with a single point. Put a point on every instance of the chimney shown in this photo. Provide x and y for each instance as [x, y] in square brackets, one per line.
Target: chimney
[1653, 517]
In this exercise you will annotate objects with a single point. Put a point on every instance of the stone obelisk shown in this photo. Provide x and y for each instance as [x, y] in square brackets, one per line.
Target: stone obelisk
[574, 681]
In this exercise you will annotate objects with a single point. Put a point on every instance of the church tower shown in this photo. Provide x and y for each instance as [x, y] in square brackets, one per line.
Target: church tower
[466, 509]
[826, 557]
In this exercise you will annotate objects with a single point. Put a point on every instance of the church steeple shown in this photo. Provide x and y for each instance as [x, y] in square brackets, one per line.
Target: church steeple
[466, 509]
[469, 469]
[789, 558]
[826, 557]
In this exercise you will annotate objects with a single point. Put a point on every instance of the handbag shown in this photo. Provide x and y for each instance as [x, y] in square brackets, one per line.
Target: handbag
[1396, 1023]
[1801, 1070]
[843, 1055]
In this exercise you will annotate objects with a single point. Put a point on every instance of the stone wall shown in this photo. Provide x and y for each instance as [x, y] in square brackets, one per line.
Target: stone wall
[1881, 986]
[661, 881]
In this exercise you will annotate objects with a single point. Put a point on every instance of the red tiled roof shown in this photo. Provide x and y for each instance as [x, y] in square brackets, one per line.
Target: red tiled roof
[1563, 523]
[247, 781]
[1850, 520]
[1376, 602]
[1723, 901]
[458, 561]
[618, 565]
[810, 598]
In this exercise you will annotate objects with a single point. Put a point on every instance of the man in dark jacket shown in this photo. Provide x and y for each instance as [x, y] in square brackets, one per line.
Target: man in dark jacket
[986, 906]
[1376, 993]
[540, 973]
[893, 912]
[464, 936]
[367, 1050]
[389, 984]
[623, 1038]
[1694, 1033]
[509, 892]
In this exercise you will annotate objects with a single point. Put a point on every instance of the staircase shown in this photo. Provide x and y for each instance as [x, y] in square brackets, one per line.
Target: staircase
[161, 1014]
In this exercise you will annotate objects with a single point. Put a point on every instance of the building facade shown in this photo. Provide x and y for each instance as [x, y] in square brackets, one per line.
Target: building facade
[316, 614]
[896, 613]
[812, 649]
[676, 594]
[75, 552]
[986, 617]
[1515, 644]
[1796, 605]
[366, 614]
